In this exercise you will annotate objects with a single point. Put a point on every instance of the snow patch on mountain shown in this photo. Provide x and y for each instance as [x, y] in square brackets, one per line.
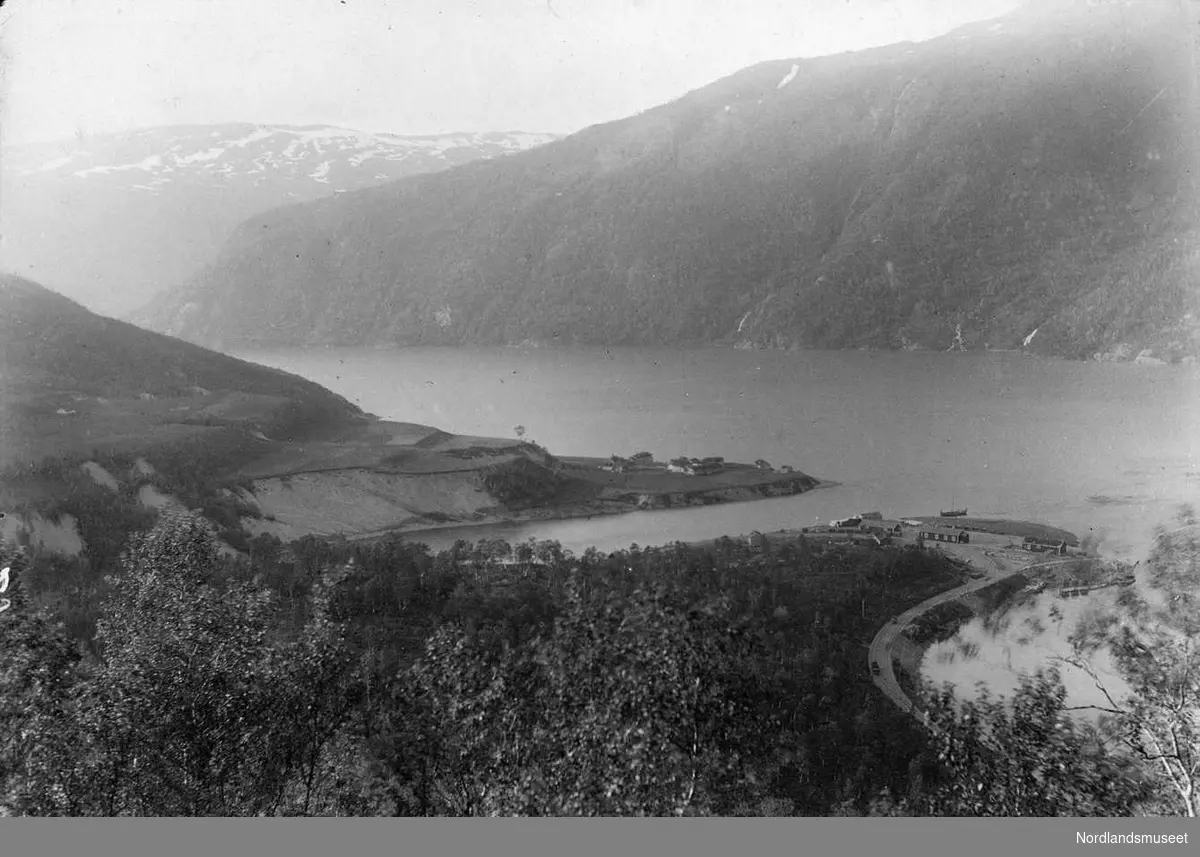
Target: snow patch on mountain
[205, 155]
[240, 149]
[172, 195]
[145, 164]
[521, 140]
[320, 173]
[789, 77]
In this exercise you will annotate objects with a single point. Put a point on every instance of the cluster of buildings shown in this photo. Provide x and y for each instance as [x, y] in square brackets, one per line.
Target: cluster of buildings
[960, 537]
[684, 465]
[617, 464]
[697, 466]
[865, 528]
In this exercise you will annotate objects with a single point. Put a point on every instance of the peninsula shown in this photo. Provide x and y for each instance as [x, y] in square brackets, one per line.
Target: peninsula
[385, 477]
[100, 411]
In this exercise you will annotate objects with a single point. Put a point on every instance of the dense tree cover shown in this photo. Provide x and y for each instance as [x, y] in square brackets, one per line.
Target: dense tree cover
[190, 707]
[522, 482]
[324, 677]
[1025, 756]
[105, 518]
[629, 706]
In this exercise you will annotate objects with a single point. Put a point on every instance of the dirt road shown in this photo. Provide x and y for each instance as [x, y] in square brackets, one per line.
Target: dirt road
[880, 649]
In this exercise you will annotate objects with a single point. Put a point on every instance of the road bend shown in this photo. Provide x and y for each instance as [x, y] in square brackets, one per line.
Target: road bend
[881, 646]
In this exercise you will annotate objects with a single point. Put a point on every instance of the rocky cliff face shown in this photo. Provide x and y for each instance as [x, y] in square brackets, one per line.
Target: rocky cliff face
[1020, 183]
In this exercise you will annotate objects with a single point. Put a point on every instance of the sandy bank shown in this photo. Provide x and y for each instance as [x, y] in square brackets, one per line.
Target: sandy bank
[358, 501]
[362, 504]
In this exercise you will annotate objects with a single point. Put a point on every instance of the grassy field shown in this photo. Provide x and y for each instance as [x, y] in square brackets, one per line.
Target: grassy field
[1003, 527]
[657, 479]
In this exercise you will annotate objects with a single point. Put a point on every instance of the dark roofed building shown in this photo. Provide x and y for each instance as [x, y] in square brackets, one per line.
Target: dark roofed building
[958, 537]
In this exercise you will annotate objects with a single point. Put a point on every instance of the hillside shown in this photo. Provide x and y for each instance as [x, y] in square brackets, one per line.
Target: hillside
[112, 219]
[101, 421]
[73, 382]
[1014, 180]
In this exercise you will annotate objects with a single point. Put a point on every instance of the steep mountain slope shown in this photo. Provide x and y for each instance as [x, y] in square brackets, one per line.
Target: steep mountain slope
[72, 382]
[112, 219]
[1015, 182]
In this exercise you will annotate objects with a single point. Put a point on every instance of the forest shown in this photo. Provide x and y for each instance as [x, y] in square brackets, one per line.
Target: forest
[328, 678]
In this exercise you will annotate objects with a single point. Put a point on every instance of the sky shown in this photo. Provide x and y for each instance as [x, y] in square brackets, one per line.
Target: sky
[82, 67]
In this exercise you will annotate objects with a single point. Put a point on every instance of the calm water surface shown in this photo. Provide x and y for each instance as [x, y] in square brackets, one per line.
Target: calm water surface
[1105, 450]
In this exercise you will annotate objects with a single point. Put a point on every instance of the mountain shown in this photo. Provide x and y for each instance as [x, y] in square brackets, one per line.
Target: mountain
[1021, 182]
[112, 219]
[72, 382]
[101, 420]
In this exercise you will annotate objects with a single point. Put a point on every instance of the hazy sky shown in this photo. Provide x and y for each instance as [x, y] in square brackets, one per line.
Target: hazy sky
[410, 66]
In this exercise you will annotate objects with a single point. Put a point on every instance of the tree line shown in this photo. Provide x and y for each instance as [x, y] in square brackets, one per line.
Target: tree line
[323, 677]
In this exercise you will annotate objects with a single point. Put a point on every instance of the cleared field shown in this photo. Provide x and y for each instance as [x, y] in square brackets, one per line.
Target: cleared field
[1003, 527]
[386, 447]
[657, 479]
[357, 501]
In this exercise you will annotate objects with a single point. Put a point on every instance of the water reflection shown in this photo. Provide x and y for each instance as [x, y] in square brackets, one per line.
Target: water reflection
[1030, 634]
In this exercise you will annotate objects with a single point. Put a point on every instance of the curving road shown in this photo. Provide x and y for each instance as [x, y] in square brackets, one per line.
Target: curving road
[880, 648]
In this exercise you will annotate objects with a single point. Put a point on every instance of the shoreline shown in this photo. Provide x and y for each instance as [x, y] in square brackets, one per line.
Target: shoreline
[1113, 357]
[388, 478]
[892, 643]
[573, 512]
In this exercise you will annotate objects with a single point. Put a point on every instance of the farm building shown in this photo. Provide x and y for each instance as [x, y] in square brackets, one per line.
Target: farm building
[786, 468]
[757, 541]
[871, 540]
[615, 465]
[696, 466]
[641, 458]
[680, 465]
[958, 537]
[1037, 545]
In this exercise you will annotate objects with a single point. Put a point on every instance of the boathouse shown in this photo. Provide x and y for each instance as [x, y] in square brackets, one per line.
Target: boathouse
[961, 537]
[1037, 545]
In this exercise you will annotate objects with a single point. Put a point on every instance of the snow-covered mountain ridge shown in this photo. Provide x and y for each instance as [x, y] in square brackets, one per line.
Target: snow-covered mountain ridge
[110, 220]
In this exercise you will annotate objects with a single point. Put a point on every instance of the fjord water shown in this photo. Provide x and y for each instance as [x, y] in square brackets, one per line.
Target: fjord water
[1108, 451]
[1105, 450]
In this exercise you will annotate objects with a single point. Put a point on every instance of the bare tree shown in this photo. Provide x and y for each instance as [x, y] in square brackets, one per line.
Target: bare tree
[1153, 638]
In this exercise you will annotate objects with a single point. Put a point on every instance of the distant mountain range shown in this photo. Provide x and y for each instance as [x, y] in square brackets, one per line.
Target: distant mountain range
[111, 220]
[1016, 183]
